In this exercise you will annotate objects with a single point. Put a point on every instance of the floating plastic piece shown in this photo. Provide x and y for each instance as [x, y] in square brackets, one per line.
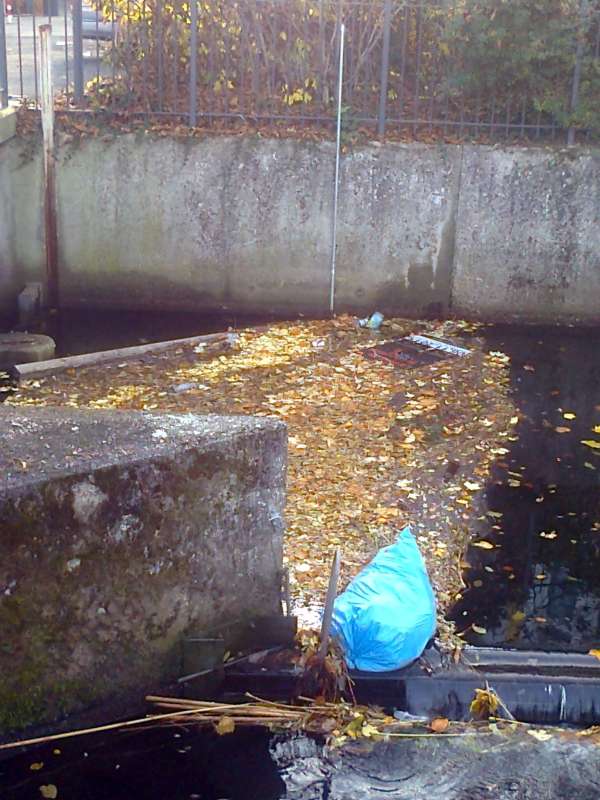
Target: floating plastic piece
[373, 322]
[386, 616]
[437, 344]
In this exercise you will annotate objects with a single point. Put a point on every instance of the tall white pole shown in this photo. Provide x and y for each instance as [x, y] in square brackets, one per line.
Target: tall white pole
[47, 104]
[337, 171]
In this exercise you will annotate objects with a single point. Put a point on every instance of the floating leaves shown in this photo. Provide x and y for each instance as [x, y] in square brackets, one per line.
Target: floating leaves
[540, 734]
[483, 544]
[439, 724]
[49, 791]
[371, 447]
[485, 703]
[595, 445]
[479, 629]
[224, 726]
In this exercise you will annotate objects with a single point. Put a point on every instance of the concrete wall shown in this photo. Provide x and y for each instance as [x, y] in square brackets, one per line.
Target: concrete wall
[528, 235]
[21, 221]
[245, 224]
[122, 532]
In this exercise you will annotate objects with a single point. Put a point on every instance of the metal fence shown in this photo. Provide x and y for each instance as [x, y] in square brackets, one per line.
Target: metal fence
[415, 68]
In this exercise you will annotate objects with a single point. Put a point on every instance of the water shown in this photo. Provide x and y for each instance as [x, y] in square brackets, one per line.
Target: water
[88, 331]
[177, 763]
[539, 588]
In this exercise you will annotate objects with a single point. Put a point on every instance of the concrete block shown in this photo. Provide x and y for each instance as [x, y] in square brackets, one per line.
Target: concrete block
[8, 123]
[123, 532]
[29, 303]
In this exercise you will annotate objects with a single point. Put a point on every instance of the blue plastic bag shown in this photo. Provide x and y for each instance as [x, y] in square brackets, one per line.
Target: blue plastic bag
[386, 616]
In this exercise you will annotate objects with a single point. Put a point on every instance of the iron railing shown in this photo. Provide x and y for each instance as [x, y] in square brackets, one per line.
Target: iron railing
[275, 61]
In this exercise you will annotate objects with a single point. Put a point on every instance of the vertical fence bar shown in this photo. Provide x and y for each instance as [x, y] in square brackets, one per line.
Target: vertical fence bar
[3, 60]
[385, 67]
[159, 53]
[35, 57]
[419, 38]
[77, 52]
[146, 56]
[574, 100]
[20, 48]
[47, 98]
[336, 187]
[403, 59]
[66, 31]
[194, 64]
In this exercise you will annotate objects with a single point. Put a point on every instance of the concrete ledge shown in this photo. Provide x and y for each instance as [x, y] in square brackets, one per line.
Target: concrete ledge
[8, 123]
[121, 533]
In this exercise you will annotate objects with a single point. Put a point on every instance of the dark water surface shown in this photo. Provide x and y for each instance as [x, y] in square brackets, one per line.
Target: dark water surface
[170, 763]
[539, 588]
[77, 332]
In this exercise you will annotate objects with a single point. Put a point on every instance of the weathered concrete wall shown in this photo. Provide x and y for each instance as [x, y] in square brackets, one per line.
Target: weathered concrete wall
[21, 220]
[120, 532]
[245, 224]
[528, 235]
[396, 228]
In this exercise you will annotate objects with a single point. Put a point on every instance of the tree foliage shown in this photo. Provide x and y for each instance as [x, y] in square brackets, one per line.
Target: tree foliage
[449, 58]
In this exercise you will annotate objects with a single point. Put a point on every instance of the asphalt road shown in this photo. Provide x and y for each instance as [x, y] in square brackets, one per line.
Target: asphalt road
[23, 61]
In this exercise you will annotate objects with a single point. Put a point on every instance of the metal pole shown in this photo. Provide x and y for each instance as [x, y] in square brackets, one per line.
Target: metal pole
[583, 9]
[194, 63]
[337, 170]
[77, 52]
[3, 61]
[334, 578]
[47, 98]
[385, 66]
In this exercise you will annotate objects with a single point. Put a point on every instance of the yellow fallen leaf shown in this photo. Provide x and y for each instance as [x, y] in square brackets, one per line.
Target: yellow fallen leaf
[472, 486]
[540, 735]
[596, 429]
[479, 629]
[36, 765]
[224, 726]
[562, 429]
[49, 791]
[569, 415]
[484, 545]
[595, 653]
[591, 443]
[368, 731]
[439, 724]
[484, 704]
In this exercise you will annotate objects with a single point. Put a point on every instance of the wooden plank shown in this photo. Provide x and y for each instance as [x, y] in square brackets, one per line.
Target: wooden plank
[38, 369]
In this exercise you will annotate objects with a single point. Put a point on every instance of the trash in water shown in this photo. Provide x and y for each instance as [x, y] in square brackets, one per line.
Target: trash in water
[178, 388]
[386, 616]
[415, 350]
[373, 322]
[438, 344]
